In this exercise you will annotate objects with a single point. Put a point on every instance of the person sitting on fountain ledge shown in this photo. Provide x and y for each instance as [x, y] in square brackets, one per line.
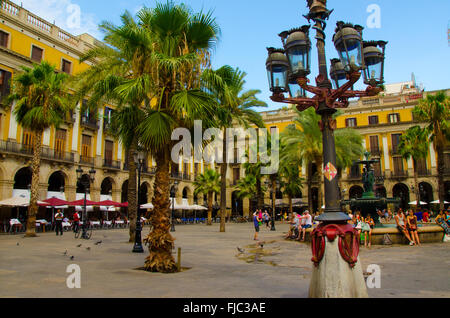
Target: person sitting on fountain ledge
[400, 220]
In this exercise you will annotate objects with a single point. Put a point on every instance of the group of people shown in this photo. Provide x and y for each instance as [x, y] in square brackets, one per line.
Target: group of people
[299, 224]
[363, 225]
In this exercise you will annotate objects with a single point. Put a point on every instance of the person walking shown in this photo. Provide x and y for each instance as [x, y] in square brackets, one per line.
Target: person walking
[367, 229]
[256, 221]
[266, 219]
[76, 221]
[59, 217]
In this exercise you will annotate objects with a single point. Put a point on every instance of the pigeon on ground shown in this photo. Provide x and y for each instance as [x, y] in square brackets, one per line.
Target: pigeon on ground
[261, 244]
[18, 244]
[88, 248]
[79, 245]
[72, 257]
[65, 253]
[97, 243]
[240, 249]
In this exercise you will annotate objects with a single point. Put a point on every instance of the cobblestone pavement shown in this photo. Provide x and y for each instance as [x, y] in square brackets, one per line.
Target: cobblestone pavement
[36, 267]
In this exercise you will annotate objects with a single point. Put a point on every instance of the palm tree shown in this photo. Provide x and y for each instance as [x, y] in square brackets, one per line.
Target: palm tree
[434, 110]
[246, 187]
[414, 144]
[235, 107]
[208, 183]
[41, 102]
[303, 145]
[178, 52]
[291, 183]
[118, 75]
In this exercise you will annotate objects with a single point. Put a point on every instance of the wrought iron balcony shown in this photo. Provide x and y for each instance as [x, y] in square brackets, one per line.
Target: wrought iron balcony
[114, 164]
[176, 175]
[89, 122]
[394, 151]
[375, 152]
[47, 153]
[399, 174]
[424, 172]
[87, 160]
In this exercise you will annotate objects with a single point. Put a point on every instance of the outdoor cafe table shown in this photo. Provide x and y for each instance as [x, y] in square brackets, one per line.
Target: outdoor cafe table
[43, 223]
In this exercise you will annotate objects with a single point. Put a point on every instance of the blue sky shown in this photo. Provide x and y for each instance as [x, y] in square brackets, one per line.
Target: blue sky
[416, 31]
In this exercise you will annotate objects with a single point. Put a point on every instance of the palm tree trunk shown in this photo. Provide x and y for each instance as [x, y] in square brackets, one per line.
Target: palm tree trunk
[274, 195]
[416, 185]
[291, 209]
[259, 193]
[35, 167]
[159, 239]
[309, 183]
[223, 184]
[210, 203]
[132, 192]
[441, 169]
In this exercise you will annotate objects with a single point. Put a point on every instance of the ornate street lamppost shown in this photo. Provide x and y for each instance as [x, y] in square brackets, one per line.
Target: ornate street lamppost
[137, 248]
[173, 192]
[86, 183]
[293, 61]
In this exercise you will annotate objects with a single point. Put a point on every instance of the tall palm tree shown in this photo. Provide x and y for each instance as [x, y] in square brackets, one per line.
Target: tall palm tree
[291, 183]
[434, 110]
[41, 102]
[235, 107]
[208, 183]
[119, 74]
[246, 187]
[179, 51]
[303, 144]
[415, 144]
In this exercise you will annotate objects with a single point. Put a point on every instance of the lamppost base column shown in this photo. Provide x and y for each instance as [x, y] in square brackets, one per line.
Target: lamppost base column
[172, 228]
[138, 248]
[272, 228]
[334, 278]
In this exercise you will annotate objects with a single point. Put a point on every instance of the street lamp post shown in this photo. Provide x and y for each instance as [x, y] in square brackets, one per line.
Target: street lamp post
[173, 191]
[86, 183]
[137, 248]
[293, 61]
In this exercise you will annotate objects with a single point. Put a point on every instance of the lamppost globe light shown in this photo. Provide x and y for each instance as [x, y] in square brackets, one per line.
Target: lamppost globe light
[79, 172]
[295, 90]
[374, 61]
[337, 73]
[92, 174]
[298, 50]
[349, 44]
[277, 65]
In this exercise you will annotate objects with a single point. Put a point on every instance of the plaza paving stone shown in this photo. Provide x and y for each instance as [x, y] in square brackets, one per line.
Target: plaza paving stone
[37, 267]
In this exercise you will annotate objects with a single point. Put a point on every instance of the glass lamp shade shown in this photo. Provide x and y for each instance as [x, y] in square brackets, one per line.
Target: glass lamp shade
[374, 61]
[295, 90]
[277, 66]
[298, 51]
[348, 43]
[92, 175]
[337, 73]
[79, 173]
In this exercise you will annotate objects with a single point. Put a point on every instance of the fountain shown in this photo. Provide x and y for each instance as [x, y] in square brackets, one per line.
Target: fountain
[369, 203]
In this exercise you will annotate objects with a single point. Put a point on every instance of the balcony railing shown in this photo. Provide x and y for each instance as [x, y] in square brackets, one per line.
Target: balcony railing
[176, 175]
[89, 122]
[148, 170]
[87, 160]
[109, 163]
[424, 173]
[354, 176]
[27, 150]
[399, 174]
[394, 151]
[375, 152]
[186, 176]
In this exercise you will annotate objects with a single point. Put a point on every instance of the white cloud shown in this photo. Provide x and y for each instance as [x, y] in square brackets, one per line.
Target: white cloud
[66, 14]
